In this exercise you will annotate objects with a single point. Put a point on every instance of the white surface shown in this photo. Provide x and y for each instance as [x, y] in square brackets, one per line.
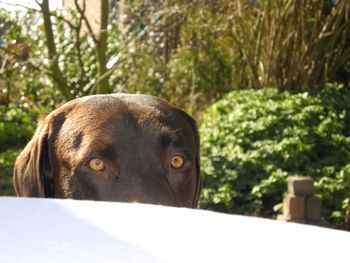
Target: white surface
[47, 230]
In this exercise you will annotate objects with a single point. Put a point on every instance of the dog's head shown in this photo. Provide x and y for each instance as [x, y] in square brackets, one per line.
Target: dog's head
[128, 148]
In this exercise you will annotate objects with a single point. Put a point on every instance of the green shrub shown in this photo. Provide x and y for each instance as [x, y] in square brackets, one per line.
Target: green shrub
[16, 126]
[7, 160]
[252, 140]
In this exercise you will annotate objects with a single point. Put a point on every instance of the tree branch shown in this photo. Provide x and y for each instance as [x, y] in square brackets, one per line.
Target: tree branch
[103, 86]
[20, 5]
[59, 79]
[79, 53]
[81, 12]
[93, 85]
[59, 17]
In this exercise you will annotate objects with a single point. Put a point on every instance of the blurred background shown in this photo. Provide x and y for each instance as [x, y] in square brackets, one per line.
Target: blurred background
[266, 80]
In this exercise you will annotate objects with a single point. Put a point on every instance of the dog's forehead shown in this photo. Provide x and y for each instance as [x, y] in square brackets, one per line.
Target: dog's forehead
[120, 103]
[97, 115]
[122, 98]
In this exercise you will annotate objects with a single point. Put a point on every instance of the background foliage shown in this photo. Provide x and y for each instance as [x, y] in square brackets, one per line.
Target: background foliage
[253, 140]
[16, 128]
[189, 52]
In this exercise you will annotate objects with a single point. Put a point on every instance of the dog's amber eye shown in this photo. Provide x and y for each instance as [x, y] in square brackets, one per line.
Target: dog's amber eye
[177, 161]
[96, 165]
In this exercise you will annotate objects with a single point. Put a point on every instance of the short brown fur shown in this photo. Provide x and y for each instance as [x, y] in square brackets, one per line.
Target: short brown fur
[134, 135]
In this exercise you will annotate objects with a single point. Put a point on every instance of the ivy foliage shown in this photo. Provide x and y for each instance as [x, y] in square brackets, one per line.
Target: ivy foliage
[17, 125]
[7, 159]
[252, 140]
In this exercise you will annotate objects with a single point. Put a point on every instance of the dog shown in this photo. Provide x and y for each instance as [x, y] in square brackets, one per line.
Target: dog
[116, 147]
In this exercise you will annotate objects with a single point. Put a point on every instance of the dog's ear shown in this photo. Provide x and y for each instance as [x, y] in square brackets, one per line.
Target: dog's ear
[198, 176]
[32, 174]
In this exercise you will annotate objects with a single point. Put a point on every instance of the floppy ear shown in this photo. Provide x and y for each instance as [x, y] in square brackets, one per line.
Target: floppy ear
[199, 179]
[32, 172]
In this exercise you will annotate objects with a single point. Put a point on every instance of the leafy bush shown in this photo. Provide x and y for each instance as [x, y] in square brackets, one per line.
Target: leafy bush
[252, 140]
[7, 160]
[16, 126]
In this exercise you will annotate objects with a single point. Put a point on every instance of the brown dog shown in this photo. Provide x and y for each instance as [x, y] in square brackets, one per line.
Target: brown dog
[127, 148]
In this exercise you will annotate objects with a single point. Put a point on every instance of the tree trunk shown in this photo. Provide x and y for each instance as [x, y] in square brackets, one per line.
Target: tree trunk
[103, 86]
[57, 75]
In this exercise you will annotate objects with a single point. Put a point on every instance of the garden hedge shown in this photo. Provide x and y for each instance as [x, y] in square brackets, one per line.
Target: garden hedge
[17, 126]
[253, 139]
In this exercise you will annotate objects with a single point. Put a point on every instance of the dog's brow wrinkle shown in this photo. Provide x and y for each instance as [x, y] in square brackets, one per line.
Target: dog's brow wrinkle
[175, 134]
[78, 140]
[177, 131]
[106, 126]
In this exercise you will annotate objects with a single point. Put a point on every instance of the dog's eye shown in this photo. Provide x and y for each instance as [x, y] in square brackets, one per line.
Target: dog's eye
[177, 161]
[96, 165]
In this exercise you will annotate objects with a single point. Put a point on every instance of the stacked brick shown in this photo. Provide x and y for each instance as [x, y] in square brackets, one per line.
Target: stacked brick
[301, 205]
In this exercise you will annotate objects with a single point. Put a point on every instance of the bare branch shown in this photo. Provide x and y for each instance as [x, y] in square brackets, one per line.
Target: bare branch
[38, 3]
[81, 12]
[115, 61]
[79, 53]
[20, 5]
[59, 78]
[62, 18]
